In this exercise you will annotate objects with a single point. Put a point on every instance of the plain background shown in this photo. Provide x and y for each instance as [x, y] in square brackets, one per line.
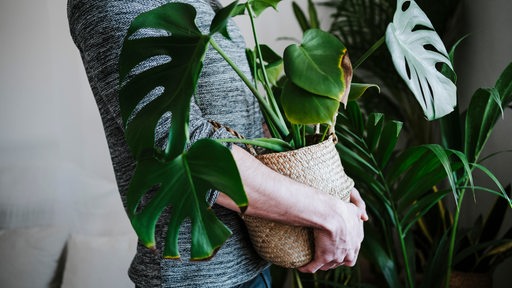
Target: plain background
[52, 147]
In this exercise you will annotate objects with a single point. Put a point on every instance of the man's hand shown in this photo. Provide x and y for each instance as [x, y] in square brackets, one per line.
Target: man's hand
[338, 225]
[339, 244]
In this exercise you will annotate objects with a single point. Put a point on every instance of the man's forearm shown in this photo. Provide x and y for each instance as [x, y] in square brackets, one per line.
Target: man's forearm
[338, 226]
[279, 198]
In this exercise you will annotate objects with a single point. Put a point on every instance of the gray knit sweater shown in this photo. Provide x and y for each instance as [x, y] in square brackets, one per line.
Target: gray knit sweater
[98, 28]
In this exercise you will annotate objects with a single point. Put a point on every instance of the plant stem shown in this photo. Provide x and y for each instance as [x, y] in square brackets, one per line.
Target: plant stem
[401, 236]
[266, 83]
[326, 132]
[269, 111]
[452, 238]
[369, 52]
[297, 140]
[297, 278]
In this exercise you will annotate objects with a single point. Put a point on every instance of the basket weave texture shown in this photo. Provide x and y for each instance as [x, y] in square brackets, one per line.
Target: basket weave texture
[318, 166]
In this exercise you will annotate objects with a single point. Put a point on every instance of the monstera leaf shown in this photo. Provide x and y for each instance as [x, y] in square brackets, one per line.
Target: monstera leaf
[319, 74]
[172, 177]
[183, 183]
[185, 46]
[419, 55]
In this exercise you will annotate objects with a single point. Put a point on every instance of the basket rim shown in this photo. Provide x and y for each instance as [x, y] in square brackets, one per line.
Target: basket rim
[327, 141]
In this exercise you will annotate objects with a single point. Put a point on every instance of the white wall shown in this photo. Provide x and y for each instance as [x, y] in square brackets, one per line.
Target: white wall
[53, 155]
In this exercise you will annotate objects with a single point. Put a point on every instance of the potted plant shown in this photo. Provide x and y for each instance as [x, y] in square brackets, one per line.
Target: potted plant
[318, 78]
[187, 166]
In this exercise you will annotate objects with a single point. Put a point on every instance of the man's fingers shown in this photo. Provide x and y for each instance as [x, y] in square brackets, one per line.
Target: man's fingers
[351, 258]
[311, 267]
[355, 198]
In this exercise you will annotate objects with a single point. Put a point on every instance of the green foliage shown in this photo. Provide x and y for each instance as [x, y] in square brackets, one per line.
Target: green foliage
[183, 183]
[305, 24]
[177, 94]
[314, 69]
[359, 89]
[481, 247]
[396, 189]
[400, 183]
[317, 74]
[258, 6]
[484, 110]
[401, 190]
[321, 55]
[416, 49]
[359, 24]
[171, 176]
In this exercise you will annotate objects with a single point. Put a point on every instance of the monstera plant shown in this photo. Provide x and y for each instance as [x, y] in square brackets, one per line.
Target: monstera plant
[317, 78]
[182, 177]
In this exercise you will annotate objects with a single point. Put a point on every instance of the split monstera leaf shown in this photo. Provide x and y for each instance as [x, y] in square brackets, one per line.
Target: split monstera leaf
[177, 178]
[420, 58]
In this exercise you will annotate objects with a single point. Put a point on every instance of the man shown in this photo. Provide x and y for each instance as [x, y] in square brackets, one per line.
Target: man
[98, 28]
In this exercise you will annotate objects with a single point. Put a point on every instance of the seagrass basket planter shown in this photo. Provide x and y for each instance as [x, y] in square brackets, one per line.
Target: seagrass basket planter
[316, 165]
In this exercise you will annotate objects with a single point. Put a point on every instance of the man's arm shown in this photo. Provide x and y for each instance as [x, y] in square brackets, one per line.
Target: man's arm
[338, 226]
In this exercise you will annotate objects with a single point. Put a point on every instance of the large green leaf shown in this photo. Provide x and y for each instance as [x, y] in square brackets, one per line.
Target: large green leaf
[303, 107]
[186, 46]
[319, 65]
[319, 74]
[183, 184]
[172, 177]
[417, 50]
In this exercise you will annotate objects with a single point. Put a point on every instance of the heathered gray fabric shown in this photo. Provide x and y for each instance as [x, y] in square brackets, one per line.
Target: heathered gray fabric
[97, 28]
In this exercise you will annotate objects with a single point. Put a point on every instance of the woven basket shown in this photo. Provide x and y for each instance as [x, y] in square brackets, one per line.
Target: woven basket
[318, 166]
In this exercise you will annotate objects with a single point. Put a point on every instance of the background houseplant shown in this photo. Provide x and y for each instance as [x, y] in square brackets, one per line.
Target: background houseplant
[363, 162]
[395, 199]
